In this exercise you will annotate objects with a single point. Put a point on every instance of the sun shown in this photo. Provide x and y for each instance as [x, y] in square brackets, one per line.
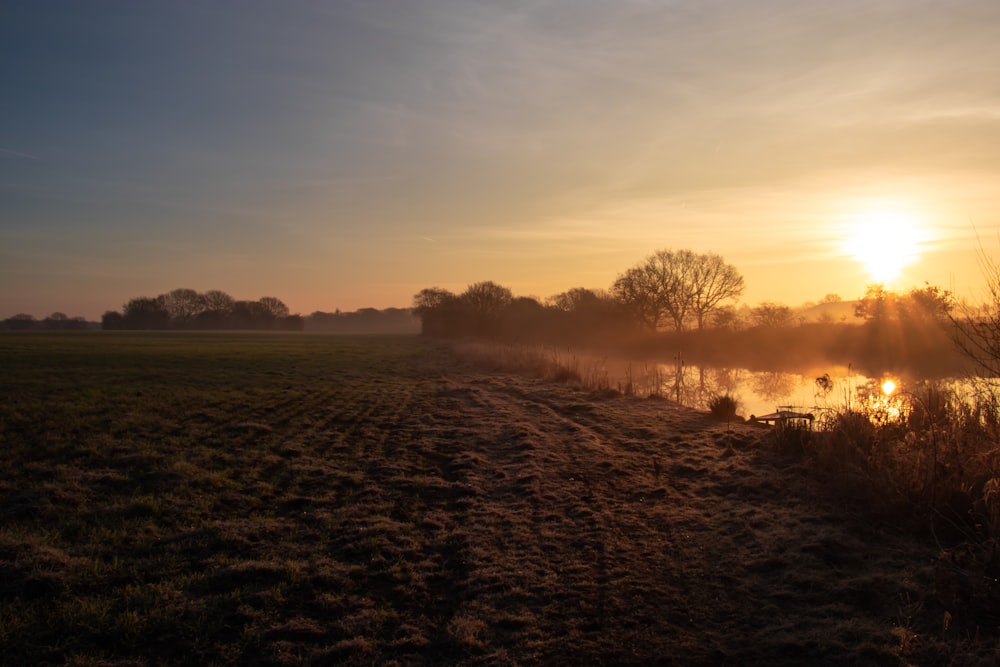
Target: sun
[884, 241]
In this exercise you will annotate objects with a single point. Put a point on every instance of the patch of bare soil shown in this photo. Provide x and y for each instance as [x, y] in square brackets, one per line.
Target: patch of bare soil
[607, 530]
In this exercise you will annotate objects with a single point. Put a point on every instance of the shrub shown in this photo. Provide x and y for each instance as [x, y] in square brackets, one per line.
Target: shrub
[723, 406]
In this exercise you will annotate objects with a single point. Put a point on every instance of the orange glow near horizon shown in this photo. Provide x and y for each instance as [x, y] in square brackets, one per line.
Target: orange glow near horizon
[888, 387]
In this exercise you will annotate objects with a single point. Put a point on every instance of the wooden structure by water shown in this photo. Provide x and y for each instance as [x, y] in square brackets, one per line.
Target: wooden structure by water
[785, 416]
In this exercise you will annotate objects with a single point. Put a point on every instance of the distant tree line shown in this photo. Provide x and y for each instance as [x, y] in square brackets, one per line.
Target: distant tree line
[365, 320]
[679, 289]
[55, 322]
[486, 309]
[918, 306]
[688, 301]
[188, 309]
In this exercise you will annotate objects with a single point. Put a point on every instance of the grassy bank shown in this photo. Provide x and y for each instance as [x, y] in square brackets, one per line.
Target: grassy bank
[296, 499]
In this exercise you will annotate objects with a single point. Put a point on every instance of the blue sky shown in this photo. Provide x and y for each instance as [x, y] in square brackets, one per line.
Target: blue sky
[347, 154]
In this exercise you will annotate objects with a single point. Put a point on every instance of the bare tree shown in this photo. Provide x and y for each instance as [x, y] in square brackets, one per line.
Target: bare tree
[713, 281]
[145, 313]
[431, 299]
[438, 310]
[486, 302]
[977, 329]
[272, 307]
[576, 300]
[218, 302]
[639, 290]
[183, 304]
[677, 285]
[771, 314]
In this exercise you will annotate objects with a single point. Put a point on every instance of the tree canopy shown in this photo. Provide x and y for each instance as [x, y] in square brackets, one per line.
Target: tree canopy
[188, 309]
[677, 286]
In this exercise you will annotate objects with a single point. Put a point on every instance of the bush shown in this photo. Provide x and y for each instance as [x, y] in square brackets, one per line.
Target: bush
[723, 406]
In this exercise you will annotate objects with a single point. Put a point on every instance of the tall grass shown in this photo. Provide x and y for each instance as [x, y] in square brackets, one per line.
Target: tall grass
[591, 372]
[930, 451]
[928, 460]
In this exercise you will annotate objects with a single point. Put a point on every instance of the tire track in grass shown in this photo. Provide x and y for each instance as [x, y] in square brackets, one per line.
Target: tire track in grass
[539, 499]
[580, 547]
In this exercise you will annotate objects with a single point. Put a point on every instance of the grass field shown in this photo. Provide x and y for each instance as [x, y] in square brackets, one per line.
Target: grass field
[307, 499]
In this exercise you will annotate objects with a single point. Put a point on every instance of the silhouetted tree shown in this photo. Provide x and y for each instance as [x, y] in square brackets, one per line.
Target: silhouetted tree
[145, 313]
[20, 322]
[477, 311]
[876, 305]
[292, 323]
[247, 315]
[771, 314]
[272, 307]
[218, 302]
[365, 320]
[183, 305]
[523, 318]
[713, 281]
[576, 300]
[431, 299]
[485, 302]
[215, 309]
[924, 305]
[640, 290]
[677, 285]
[112, 320]
[582, 314]
[439, 310]
[929, 303]
[62, 322]
[726, 317]
[56, 320]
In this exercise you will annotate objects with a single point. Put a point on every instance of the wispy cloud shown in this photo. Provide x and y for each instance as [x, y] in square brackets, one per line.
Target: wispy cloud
[27, 156]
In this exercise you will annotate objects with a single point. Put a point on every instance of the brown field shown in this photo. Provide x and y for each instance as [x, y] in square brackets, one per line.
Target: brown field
[296, 499]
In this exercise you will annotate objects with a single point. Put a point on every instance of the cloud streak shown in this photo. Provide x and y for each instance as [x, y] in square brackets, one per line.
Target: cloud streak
[538, 136]
[12, 153]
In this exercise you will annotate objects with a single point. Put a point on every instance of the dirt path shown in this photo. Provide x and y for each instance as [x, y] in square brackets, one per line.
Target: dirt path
[631, 531]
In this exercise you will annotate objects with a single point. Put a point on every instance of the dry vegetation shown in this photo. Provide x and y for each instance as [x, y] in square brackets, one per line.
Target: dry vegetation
[294, 499]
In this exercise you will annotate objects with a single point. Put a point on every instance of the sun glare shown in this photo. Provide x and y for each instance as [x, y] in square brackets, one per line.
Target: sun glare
[888, 387]
[884, 242]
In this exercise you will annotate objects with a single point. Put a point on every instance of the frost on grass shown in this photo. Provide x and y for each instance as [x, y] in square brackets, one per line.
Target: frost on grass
[376, 501]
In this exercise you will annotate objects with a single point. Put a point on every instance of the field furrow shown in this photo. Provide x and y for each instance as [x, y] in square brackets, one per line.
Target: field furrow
[227, 499]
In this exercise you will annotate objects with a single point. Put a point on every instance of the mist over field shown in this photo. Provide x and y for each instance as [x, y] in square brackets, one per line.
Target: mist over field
[500, 333]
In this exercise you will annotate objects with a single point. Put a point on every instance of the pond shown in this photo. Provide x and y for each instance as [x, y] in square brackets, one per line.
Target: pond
[821, 391]
[762, 392]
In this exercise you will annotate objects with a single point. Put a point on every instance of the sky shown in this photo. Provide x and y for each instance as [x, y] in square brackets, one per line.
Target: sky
[348, 153]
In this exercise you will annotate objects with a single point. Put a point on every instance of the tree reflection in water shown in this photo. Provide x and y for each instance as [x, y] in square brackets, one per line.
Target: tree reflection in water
[758, 392]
